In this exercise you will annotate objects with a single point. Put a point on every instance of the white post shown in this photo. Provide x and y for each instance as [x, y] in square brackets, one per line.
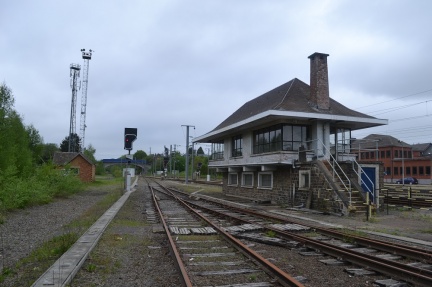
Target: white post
[128, 181]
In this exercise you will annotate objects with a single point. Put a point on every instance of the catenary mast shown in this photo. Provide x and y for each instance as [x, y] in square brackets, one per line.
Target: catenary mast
[87, 57]
[74, 75]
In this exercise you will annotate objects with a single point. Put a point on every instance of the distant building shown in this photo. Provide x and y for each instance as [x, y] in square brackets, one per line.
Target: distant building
[81, 165]
[399, 158]
[283, 145]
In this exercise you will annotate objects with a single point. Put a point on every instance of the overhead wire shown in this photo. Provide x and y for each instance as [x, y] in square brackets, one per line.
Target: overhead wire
[411, 132]
[415, 94]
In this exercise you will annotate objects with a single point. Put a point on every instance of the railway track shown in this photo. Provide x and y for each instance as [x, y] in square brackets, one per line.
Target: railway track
[397, 261]
[209, 256]
[409, 197]
[220, 244]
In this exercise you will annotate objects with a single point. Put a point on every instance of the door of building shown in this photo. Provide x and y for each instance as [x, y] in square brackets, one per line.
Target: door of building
[369, 172]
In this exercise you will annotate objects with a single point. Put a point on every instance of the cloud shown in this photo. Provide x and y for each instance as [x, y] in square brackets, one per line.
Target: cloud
[159, 65]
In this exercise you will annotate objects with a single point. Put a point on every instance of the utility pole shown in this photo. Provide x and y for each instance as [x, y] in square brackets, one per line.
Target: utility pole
[187, 152]
[170, 159]
[192, 165]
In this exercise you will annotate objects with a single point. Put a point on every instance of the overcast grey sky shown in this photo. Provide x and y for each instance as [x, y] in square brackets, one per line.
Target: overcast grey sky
[162, 64]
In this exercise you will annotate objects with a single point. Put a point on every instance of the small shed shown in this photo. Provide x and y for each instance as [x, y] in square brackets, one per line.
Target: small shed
[84, 167]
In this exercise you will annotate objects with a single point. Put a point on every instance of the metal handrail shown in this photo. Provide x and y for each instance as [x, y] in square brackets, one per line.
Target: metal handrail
[332, 164]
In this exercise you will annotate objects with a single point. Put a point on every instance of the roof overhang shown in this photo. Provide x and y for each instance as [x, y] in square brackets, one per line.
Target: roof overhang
[351, 122]
[268, 166]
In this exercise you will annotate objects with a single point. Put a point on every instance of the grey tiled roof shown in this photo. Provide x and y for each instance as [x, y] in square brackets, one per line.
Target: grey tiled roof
[382, 140]
[63, 158]
[291, 96]
[421, 147]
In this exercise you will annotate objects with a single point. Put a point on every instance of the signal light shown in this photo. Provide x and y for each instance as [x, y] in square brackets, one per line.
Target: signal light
[128, 140]
[130, 136]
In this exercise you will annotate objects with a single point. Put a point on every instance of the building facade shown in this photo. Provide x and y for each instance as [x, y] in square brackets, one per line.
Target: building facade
[274, 146]
[77, 162]
[399, 158]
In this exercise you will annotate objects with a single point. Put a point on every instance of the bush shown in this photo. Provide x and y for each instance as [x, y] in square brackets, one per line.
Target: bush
[38, 188]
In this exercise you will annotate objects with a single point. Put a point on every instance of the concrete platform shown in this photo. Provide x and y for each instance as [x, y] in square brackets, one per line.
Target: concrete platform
[64, 269]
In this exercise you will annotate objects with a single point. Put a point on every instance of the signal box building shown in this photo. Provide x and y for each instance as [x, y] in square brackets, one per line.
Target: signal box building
[292, 145]
[79, 163]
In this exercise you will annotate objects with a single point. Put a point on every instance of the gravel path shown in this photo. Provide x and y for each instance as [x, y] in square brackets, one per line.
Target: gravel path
[26, 229]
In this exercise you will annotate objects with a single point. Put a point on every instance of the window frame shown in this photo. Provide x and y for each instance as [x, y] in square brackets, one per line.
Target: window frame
[280, 137]
[237, 146]
[217, 150]
[229, 179]
[407, 170]
[260, 174]
[243, 184]
[304, 179]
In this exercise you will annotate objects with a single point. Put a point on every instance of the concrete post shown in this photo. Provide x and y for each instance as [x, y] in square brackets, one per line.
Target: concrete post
[128, 181]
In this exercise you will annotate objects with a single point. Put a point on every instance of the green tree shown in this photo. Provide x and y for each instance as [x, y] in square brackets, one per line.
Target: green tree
[75, 144]
[204, 164]
[140, 154]
[15, 155]
[48, 151]
[200, 151]
[6, 100]
[35, 143]
[178, 161]
[90, 152]
[22, 182]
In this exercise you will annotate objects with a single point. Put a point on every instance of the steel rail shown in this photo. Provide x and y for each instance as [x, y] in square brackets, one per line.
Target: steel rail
[283, 278]
[185, 277]
[399, 270]
[401, 249]
[404, 250]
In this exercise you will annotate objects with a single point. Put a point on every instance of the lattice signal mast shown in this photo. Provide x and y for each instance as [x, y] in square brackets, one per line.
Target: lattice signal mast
[87, 57]
[74, 76]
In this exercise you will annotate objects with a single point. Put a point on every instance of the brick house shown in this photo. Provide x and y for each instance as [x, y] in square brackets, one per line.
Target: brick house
[399, 158]
[286, 145]
[83, 167]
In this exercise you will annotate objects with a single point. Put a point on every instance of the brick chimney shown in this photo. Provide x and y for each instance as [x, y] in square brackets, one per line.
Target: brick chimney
[319, 85]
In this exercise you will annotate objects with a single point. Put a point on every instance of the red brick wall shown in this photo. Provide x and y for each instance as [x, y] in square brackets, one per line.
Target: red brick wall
[86, 170]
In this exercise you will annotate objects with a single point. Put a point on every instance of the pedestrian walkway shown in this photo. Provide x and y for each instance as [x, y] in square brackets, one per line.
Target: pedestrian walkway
[64, 269]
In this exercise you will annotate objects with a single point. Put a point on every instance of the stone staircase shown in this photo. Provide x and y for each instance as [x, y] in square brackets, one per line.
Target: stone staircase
[348, 191]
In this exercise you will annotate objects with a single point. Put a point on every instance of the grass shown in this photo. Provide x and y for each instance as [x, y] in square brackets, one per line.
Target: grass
[426, 217]
[113, 249]
[372, 219]
[91, 267]
[271, 233]
[349, 233]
